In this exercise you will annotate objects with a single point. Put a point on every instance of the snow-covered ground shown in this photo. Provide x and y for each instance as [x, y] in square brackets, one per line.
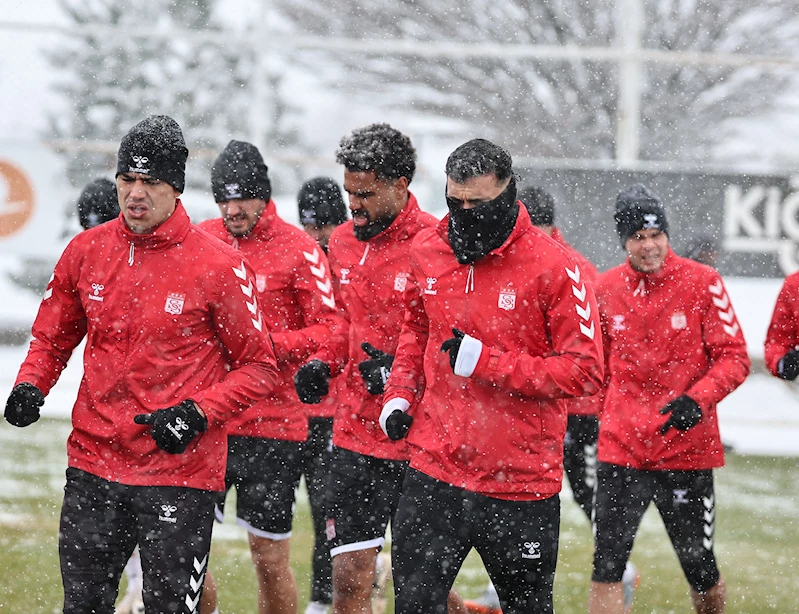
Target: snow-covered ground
[761, 417]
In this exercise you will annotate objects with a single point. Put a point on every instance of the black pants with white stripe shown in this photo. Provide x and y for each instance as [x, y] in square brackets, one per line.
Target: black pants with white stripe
[579, 459]
[101, 523]
[686, 502]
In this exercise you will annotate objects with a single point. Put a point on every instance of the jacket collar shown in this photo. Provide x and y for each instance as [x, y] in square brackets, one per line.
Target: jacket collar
[264, 229]
[644, 282]
[400, 229]
[170, 232]
[522, 226]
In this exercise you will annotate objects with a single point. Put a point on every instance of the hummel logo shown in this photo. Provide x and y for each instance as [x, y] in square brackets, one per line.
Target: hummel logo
[96, 289]
[344, 273]
[531, 550]
[651, 220]
[232, 190]
[679, 495]
[140, 160]
[180, 425]
[430, 283]
[168, 510]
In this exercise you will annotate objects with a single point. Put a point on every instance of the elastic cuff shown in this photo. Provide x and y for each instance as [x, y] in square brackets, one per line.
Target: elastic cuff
[468, 355]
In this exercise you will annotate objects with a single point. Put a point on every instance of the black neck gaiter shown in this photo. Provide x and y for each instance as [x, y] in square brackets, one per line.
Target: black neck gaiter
[473, 233]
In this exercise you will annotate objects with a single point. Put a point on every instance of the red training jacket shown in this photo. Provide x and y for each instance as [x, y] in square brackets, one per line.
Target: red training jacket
[167, 317]
[292, 279]
[783, 331]
[667, 333]
[500, 431]
[371, 276]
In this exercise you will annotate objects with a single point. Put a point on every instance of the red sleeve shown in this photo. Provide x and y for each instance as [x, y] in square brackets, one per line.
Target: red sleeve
[313, 290]
[407, 371]
[237, 320]
[334, 350]
[724, 343]
[783, 331]
[575, 368]
[59, 327]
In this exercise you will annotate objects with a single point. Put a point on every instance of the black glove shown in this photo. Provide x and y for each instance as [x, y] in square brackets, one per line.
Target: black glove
[685, 414]
[312, 382]
[453, 346]
[174, 427]
[22, 407]
[398, 424]
[789, 365]
[376, 370]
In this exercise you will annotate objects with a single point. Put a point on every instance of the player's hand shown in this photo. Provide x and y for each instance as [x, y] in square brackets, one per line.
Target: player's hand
[453, 346]
[685, 414]
[376, 370]
[312, 381]
[788, 367]
[174, 427]
[22, 407]
[394, 419]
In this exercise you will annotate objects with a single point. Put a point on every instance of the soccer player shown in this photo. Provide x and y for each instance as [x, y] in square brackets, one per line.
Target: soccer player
[321, 210]
[174, 348]
[265, 442]
[674, 349]
[500, 328]
[369, 259]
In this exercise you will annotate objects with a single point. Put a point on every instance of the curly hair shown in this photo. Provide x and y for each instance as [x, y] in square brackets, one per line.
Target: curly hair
[479, 157]
[378, 148]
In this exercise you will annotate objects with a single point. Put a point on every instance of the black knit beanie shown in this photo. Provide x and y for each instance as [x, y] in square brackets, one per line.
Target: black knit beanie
[155, 147]
[320, 203]
[638, 209]
[98, 203]
[540, 205]
[239, 173]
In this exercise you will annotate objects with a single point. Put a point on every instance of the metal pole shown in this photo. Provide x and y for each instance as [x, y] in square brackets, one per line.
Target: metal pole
[260, 107]
[628, 115]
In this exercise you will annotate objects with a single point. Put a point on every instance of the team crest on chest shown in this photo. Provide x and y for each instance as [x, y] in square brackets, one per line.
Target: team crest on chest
[678, 321]
[174, 303]
[260, 282]
[400, 281]
[507, 299]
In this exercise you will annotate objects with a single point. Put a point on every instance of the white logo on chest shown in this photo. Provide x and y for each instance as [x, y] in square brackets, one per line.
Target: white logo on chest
[344, 273]
[400, 282]
[431, 281]
[678, 321]
[260, 282]
[618, 323]
[507, 299]
[174, 303]
[94, 295]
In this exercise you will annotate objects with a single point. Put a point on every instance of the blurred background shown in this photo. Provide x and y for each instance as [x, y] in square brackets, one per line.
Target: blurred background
[695, 98]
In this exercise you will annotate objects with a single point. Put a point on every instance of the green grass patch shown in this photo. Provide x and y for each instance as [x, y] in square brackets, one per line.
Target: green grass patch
[757, 539]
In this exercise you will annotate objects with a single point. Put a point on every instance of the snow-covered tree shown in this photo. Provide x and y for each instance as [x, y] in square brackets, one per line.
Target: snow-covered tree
[562, 108]
[137, 59]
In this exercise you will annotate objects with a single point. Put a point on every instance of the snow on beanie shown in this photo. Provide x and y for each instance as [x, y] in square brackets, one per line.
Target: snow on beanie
[638, 209]
[98, 203]
[540, 205]
[239, 173]
[320, 203]
[155, 147]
